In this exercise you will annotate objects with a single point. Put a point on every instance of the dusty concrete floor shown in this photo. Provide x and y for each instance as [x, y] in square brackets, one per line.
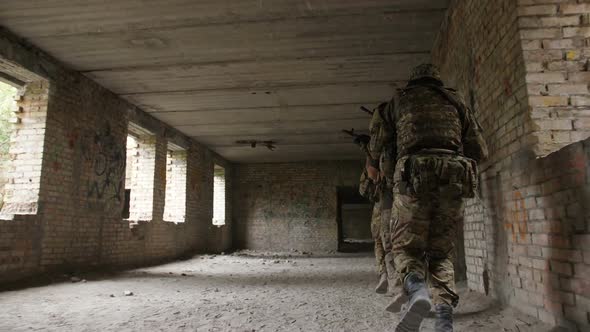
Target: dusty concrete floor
[240, 292]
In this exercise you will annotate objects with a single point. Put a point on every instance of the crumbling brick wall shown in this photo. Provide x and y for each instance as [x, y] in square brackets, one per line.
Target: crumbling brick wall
[524, 237]
[555, 37]
[26, 149]
[290, 206]
[78, 222]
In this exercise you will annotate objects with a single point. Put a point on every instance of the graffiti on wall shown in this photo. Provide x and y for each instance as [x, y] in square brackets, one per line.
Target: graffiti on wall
[106, 158]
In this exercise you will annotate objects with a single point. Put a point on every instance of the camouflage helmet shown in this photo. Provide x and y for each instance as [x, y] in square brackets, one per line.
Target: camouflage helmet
[425, 70]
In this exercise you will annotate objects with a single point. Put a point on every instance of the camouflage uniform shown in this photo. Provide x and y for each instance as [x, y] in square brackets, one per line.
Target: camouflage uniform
[371, 191]
[383, 155]
[430, 131]
[386, 207]
[380, 194]
[378, 239]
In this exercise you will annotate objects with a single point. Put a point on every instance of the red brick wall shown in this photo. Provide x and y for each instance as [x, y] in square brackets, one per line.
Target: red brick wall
[78, 219]
[287, 206]
[524, 239]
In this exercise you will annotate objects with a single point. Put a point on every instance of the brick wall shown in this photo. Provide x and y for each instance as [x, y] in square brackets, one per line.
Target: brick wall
[78, 221]
[288, 206]
[524, 238]
[556, 42]
[26, 150]
[549, 233]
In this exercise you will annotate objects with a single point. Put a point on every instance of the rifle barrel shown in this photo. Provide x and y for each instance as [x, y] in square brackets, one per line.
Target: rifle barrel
[366, 110]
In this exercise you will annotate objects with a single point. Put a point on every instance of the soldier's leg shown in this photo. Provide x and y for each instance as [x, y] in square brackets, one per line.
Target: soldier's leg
[386, 205]
[443, 234]
[409, 243]
[400, 297]
[379, 252]
[411, 218]
[441, 249]
[376, 233]
[386, 240]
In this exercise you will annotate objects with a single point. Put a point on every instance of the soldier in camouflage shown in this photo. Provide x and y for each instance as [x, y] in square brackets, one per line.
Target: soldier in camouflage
[369, 189]
[376, 190]
[380, 173]
[436, 142]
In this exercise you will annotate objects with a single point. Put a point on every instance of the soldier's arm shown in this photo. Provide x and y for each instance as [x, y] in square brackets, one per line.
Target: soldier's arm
[474, 144]
[372, 171]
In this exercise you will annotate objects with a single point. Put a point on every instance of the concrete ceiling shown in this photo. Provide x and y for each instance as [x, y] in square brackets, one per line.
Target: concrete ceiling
[291, 71]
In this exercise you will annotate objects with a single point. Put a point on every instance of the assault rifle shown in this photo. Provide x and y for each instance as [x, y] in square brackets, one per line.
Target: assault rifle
[361, 140]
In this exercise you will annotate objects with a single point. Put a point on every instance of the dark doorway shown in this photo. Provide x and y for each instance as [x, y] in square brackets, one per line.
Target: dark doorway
[354, 221]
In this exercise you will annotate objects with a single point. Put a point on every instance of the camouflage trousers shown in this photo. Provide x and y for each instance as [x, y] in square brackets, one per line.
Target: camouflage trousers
[423, 240]
[381, 231]
[377, 238]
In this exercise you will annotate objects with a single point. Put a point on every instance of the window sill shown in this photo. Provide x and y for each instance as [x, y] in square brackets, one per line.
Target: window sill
[175, 221]
[218, 223]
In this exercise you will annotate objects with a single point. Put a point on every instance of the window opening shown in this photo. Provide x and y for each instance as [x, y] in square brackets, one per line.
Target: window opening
[175, 205]
[139, 174]
[8, 95]
[219, 196]
[23, 112]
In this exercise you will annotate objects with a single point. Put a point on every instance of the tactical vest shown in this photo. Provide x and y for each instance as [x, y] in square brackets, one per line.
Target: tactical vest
[429, 122]
[426, 119]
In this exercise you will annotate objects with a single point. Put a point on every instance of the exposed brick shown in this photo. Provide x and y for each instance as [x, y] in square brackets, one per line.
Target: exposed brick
[574, 8]
[580, 77]
[546, 33]
[547, 101]
[557, 124]
[310, 181]
[567, 89]
[78, 131]
[553, 77]
[537, 10]
[580, 100]
[576, 314]
[576, 32]
[561, 268]
[558, 44]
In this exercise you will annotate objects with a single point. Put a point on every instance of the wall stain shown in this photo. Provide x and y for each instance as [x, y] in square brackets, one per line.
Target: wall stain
[518, 223]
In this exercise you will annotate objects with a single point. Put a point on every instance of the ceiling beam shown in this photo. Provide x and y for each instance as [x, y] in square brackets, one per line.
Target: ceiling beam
[261, 74]
[362, 93]
[309, 37]
[42, 18]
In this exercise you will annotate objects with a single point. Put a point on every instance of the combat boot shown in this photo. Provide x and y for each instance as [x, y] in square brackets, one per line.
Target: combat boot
[444, 318]
[418, 305]
[382, 285]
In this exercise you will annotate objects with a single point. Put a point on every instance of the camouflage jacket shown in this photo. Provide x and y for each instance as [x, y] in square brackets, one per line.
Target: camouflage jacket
[424, 117]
